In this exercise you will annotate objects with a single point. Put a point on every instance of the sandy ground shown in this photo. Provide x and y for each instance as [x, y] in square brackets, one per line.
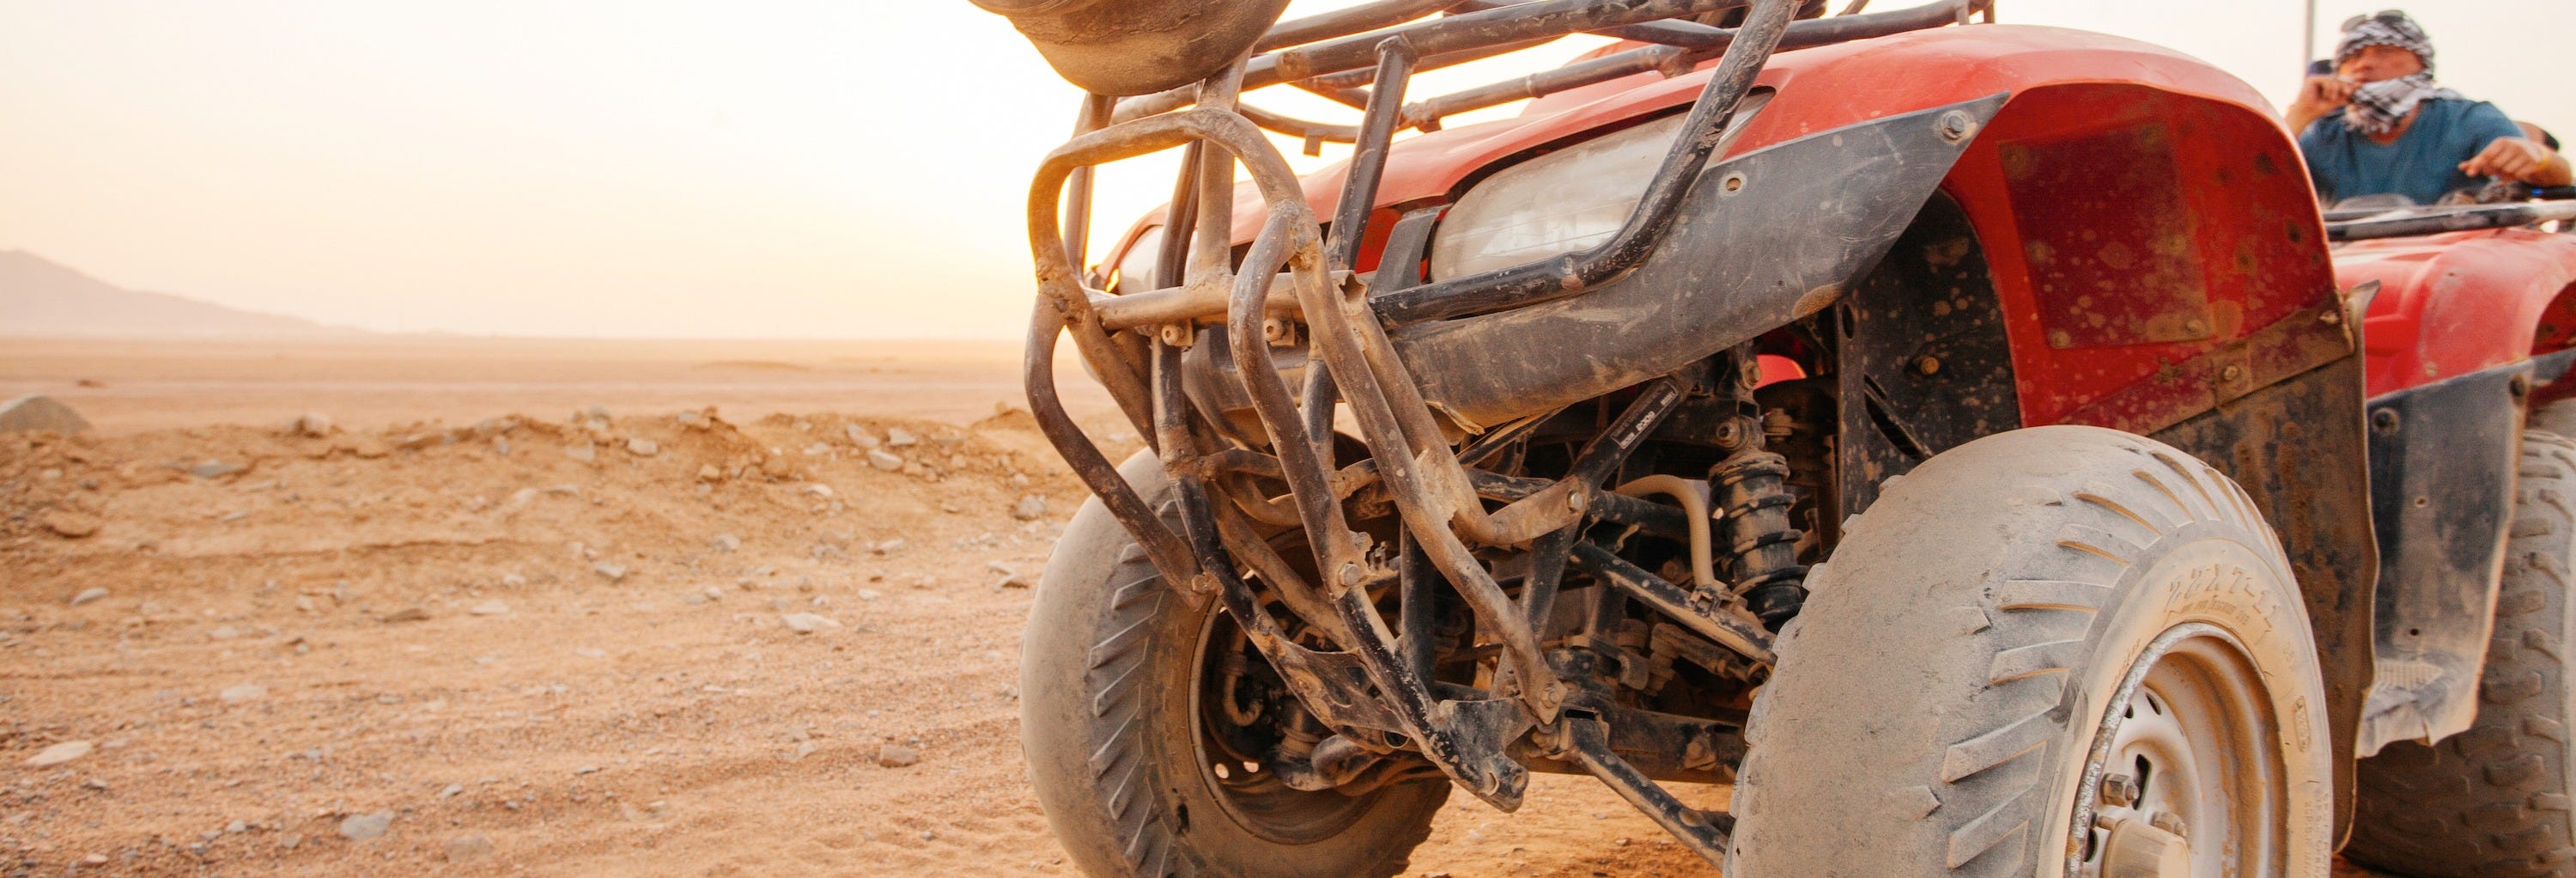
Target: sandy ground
[125, 386]
[533, 639]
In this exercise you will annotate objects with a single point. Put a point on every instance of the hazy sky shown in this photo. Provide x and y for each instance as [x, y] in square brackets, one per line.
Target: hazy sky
[743, 169]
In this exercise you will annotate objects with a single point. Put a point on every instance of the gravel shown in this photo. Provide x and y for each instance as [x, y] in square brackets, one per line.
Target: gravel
[490, 608]
[243, 692]
[612, 571]
[642, 447]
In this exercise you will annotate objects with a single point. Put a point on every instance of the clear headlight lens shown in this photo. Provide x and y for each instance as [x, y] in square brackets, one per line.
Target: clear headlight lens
[1136, 266]
[1557, 203]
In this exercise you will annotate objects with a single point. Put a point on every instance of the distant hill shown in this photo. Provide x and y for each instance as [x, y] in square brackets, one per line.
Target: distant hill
[44, 298]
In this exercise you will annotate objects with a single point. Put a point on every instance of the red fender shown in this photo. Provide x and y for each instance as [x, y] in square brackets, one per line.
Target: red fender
[2456, 303]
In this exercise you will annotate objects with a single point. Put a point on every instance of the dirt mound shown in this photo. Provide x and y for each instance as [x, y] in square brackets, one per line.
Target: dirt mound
[596, 644]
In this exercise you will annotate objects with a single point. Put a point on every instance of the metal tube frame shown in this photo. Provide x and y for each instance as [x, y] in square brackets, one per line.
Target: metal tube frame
[1373, 686]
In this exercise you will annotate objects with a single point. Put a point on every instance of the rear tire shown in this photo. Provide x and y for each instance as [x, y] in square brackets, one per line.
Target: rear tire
[1110, 720]
[1940, 696]
[2494, 800]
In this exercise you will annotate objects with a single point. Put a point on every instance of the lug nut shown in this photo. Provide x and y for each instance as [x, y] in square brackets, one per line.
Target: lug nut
[2119, 789]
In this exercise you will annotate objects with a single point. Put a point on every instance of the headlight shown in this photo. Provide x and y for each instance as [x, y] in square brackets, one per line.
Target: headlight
[1136, 266]
[1557, 203]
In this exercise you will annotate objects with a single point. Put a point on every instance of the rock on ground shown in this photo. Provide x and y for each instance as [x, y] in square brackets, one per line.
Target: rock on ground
[60, 753]
[87, 595]
[40, 412]
[897, 756]
[366, 827]
[465, 848]
[71, 525]
[807, 623]
[1030, 508]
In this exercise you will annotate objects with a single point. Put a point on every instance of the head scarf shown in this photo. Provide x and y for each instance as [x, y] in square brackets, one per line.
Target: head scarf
[2380, 107]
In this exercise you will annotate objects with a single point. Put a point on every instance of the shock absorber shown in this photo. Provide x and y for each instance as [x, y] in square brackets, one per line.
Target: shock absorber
[1753, 506]
[1761, 543]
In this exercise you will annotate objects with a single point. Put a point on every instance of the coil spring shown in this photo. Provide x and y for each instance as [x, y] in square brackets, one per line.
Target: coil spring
[1762, 544]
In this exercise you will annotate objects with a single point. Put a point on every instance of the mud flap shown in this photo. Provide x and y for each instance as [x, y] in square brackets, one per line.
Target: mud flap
[2442, 461]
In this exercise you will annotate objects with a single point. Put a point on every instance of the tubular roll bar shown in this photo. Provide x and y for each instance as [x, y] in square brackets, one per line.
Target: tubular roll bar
[1374, 687]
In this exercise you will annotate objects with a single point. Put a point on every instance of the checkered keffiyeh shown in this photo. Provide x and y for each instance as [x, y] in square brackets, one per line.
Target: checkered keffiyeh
[2385, 29]
[2379, 107]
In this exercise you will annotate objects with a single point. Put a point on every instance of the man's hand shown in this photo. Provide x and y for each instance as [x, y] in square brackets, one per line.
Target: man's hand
[2319, 97]
[2519, 160]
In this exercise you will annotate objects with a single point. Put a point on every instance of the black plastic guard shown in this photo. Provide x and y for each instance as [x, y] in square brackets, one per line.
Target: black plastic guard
[1761, 240]
[2442, 469]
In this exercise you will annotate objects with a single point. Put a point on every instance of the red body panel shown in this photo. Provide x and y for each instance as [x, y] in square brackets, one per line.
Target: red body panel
[2149, 226]
[1819, 89]
[2453, 304]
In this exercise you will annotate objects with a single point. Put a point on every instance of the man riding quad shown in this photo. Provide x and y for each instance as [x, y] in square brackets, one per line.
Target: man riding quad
[1871, 444]
[2379, 124]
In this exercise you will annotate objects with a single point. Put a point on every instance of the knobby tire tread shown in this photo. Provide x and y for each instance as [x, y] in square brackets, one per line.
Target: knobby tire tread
[1987, 787]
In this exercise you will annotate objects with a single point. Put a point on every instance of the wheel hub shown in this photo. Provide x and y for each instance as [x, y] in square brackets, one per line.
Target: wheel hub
[2176, 784]
[2134, 847]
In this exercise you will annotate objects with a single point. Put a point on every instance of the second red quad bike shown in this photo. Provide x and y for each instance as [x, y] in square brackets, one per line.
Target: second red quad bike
[1968, 443]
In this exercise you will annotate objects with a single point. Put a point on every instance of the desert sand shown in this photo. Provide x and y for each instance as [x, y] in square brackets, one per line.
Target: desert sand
[533, 608]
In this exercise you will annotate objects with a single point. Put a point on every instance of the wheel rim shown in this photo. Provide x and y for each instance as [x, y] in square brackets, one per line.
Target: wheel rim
[1230, 751]
[2186, 774]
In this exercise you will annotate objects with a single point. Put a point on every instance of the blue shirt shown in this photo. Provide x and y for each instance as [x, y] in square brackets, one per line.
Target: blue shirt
[2423, 164]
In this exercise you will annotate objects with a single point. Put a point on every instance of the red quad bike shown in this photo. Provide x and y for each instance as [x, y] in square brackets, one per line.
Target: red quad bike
[1969, 443]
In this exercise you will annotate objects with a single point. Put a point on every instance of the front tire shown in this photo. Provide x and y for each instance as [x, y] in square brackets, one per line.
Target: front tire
[2021, 636]
[1115, 716]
